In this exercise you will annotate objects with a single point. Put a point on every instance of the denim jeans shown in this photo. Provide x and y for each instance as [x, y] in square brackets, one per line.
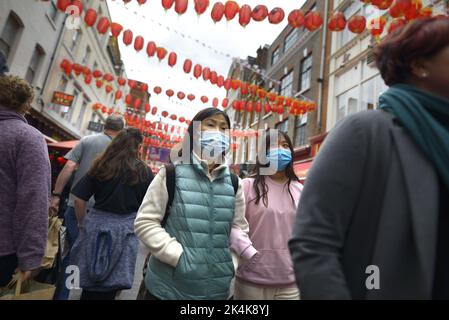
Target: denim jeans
[71, 223]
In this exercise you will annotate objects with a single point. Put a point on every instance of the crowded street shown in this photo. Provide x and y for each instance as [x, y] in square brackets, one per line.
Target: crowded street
[242, 151]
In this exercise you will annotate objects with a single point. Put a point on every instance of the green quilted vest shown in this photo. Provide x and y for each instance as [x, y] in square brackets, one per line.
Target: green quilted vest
[200, 219]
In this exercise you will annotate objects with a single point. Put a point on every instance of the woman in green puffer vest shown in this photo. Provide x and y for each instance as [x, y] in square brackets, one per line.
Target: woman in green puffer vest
[191, 259]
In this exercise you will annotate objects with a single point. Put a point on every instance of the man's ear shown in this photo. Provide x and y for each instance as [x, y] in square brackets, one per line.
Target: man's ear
[419, 68]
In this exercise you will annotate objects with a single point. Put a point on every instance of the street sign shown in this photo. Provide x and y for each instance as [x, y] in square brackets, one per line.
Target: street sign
[95, 126]
[62, 99]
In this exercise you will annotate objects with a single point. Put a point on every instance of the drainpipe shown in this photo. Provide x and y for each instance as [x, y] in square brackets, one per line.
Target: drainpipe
[55, 51]
[323, 61]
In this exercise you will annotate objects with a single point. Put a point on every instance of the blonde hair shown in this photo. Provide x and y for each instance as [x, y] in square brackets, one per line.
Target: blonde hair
[16, 94]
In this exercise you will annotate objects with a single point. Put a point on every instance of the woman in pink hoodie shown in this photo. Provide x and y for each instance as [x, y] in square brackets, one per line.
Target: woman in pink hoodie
[272, 197]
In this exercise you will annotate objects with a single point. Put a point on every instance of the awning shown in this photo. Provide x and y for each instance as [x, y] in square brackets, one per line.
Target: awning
[302, 168]
[64, 144]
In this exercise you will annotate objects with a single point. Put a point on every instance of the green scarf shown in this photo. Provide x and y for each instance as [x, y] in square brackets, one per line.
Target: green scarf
[426, 118]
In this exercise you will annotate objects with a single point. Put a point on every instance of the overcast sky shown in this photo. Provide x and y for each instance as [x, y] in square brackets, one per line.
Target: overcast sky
[229, 38]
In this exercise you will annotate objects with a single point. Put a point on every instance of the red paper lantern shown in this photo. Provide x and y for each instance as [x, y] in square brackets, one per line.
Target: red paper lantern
[144, 87]
[172, 58]
[137, 104]
[116, 29]
[382, 4]
[118, 95]
[154, 111]
[204, 99]
[63, 4]
[225, 103]
[244, 88]
[245, 15]
[167, 4]
[157, 90]
[121, 81]
[191, 97]
[259, 13]
[296, 18]
[91, 17]
[132, 84]
[161, 53]
[217, 12]
[128, 99]
[77, 68]
[396, 24]
[103, 25]
[173, 117]
[108, 77]
[313, 21]
[108, 89]
[151, 48]
[201, 6]
[88, 79]
[99, 84]
[227, 84]
[213, 77]
[181, 6]
[206, 74]
[337, 22]
[215, 102]
[197, 71]
[127, 37]
[104, 109]
[253, 89]
[267, 108]
[231, 10]
[276, 16]
[141, 2]
[187, 66]
[138, 43]
[147, 107]
[97, 74]
[235, 84]
[357, 24]
[181, 95]
[220, 81]
[169, 93]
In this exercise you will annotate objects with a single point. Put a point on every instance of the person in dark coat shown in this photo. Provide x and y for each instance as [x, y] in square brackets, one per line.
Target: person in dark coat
[373, 221]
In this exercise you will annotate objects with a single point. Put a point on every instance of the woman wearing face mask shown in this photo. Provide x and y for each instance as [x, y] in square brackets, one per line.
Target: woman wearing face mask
[271, 197]
[191, 258]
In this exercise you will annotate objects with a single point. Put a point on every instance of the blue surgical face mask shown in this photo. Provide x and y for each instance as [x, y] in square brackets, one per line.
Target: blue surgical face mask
[214, 141]
[281, 157]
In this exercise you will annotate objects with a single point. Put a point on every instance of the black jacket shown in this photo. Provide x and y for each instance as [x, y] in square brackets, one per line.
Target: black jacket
[371, 198]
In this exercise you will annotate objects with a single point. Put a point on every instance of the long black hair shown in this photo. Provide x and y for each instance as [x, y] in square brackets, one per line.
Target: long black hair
[260, 186]
[200, 116]
[121, 159]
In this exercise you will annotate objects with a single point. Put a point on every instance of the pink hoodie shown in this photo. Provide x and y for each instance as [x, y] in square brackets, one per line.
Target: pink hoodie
[268, 260]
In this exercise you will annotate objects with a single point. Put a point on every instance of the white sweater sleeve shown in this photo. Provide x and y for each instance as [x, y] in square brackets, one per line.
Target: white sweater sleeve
[148, 223]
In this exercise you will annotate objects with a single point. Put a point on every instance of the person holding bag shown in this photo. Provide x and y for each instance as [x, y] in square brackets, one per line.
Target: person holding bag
[106, 249]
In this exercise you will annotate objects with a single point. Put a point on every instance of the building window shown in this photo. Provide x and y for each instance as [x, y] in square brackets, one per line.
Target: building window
[300, 136]
[286, 88]
[53, 10]
[300, 130]
[290, 40]
[79, 122]
[306, 73]
[33, 67]
[75, 39]
[67, 112]
[10, 34]
[87, 56]
[276, 55]
[283, 126]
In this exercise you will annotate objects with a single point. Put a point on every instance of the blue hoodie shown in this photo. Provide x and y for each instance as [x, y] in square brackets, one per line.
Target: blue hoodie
[25, 182]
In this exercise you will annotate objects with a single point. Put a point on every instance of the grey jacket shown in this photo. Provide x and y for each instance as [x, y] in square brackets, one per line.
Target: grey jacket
[371, 198]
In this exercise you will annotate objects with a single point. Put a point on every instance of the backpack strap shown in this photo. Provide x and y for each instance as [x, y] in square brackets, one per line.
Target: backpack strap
[170, 182]
[235, 182]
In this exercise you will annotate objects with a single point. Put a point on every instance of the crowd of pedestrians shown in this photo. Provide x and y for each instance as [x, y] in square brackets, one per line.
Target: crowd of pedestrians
[371, 222]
